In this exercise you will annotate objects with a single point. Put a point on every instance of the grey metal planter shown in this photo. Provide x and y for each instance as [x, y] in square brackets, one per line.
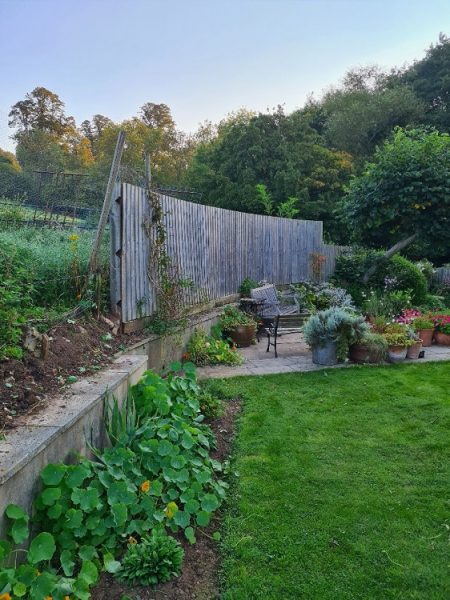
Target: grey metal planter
[325, 355]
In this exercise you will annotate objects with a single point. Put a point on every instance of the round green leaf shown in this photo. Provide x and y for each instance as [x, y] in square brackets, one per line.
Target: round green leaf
[88, 572]
[41, 548]
[165, 448]
[67, 562]
[203, 518]
[53, 474]
[15, 512]
[50, 495]
[210, 502]
[19, 589]
[19, 530]
[190, 536]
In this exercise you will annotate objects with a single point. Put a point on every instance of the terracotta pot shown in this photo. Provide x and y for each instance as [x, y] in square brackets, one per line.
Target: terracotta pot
[360, 353]
[426, 335]
[414, 350]
[243, 335]
[397, 353]
[442, 339]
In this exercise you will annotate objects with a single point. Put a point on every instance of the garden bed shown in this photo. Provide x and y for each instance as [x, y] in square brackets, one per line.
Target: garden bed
[199, 576]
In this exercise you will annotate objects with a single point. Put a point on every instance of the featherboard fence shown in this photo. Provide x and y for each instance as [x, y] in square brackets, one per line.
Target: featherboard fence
[212, 247]
[442, 275]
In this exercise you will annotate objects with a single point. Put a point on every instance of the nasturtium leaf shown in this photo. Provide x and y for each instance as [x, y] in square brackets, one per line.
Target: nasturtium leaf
[191, 506]
[76, 475]
[43, 585]
[19, 530]
[202, 439]
[88, 572]
[203, 477]
[89, 500]
[182, 518]
[19, 589]
[92, 522]
[87, 552]
[67, 562]
[210, 502]
[54, 512]
[119, 493]
[53, 474]
[216, 536]
[190, 536]
[165, 448]
[182, 475]
[156, 488]
[66, 540]
[111, 565]
[120, 514]
[159, 516]
[178, 461]
[25, 573]
[187, 441]
[203, 518]
[74, 518]
[50, 495]
[105, 478]
[13, 511]
[41, 548]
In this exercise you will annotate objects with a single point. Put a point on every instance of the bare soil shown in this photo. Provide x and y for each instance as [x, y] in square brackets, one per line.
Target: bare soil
[199, 576]
[76, 349]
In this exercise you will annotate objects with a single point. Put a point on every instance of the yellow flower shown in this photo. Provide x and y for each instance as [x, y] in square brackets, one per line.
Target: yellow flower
[74, 237]
[170, 510]
[132, 540]
[5, 596]
[37, 573]
[145, 486]
[66, 598]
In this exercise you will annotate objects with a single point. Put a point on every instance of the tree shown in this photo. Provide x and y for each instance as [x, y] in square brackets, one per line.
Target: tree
[157, 116]
[430, 80]
[8, 162]
[403, 195]
[363, 111]
[92, 130]
[41, 110]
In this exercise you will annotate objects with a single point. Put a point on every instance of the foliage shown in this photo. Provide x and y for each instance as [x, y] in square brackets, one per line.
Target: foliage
[420, 323]
[442, 323]
[286, 209]
[204, 349]
[312, 297]
[210, 405]
[157, 475]
[426, 267]
[247, 286]
[334, 466]
[387, 304]
[395, 274]
[232, 317]
[404, 191]
[377, 344]
[398, 339]
[335, 325]
[155, 559]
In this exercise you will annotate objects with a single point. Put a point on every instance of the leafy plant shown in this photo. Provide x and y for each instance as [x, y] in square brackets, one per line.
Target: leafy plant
[422, 323]
[335, 325]
[247, 286]
[398, 339]
[232, 317]
[155, 559]
[376, 343]
[203, 349]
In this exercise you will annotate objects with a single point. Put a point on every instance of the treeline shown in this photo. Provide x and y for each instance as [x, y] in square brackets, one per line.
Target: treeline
[296, 164]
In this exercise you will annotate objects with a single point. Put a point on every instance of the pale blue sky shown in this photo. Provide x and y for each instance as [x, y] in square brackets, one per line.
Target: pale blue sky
[204, 58]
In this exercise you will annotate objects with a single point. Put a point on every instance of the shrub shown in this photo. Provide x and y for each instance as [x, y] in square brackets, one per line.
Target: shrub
[422, 323]
[377, 344]
[320, 296]
[407, 276]
[247, 286]
[155, 559]
[335, 325]
[204, 349]
[210, 405]
[232, 317]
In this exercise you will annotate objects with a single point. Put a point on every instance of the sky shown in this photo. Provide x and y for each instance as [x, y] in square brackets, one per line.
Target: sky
[203, 58]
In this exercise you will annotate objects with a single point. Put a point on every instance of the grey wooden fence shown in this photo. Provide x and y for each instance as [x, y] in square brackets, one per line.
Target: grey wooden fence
[213, 247]
[442, 275]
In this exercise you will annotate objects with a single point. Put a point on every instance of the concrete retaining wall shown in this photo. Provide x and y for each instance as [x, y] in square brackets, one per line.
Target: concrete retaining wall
[68, 425]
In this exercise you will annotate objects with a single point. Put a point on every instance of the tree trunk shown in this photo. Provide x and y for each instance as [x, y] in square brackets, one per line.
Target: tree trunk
[387, 255]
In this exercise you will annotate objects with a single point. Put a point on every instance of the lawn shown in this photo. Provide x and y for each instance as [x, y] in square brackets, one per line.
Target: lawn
[343, 487]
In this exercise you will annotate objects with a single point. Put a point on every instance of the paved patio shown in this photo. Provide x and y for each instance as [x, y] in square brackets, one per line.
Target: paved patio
[293, 356]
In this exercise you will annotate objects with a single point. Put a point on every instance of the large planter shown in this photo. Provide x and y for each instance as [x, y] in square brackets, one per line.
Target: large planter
[397, 353]
[414, 350]
[243, 335]
[325, 355]
[362, 353]
[426, 335]
[442, 339]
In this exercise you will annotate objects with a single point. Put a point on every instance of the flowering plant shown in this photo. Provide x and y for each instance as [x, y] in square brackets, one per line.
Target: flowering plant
[408, 315]
[442, 323]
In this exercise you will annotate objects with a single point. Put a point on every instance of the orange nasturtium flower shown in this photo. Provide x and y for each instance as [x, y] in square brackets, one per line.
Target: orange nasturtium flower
[145, 486]
[5, 596]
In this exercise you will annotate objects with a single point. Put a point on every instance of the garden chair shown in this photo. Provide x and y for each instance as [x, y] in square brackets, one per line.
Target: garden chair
[277, 315]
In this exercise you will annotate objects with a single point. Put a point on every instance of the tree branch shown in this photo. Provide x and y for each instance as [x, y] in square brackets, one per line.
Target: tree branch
[387, 255]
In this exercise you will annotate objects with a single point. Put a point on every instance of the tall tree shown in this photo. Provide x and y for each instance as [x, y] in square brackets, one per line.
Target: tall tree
[403, 196]
[157, 116]
[41, 110]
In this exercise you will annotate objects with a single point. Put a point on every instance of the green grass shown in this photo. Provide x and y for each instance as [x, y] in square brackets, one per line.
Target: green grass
[344, 484]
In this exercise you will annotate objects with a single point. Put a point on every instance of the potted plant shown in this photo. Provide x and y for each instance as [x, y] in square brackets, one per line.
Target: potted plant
[398, 341]
[239, 326]
[414, 349]
[246, 287]
[330, 332]
[372, 348]
[425, 329]
[442, 332]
